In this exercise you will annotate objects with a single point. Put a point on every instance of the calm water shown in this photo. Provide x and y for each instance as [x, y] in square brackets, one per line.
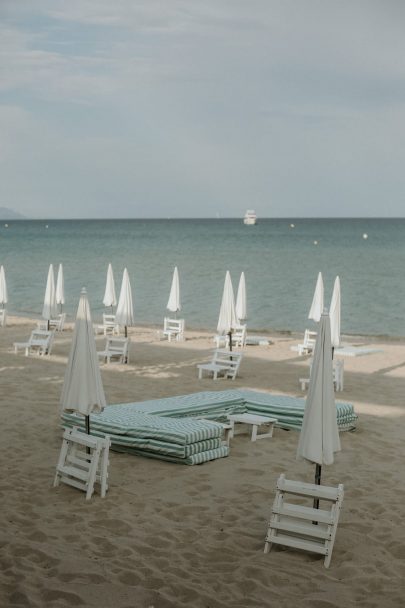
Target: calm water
[280, 264]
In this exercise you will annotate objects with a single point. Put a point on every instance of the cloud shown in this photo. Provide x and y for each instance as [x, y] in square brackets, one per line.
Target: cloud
[200, 107]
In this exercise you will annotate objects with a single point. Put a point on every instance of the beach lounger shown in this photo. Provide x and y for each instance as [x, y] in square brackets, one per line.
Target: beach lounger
[224, 363]
[115, 348]
[173, 328]
[308, 344]
[40, 343]
[109, 326]
[338, 376]
[59, 323]
[238, 338]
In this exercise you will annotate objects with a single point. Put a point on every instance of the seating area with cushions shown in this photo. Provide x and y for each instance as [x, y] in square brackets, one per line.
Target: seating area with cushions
[172, 429]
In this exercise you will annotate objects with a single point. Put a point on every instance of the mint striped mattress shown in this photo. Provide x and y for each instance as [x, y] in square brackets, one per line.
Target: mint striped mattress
[213, 405]
[198, 458]
[184, 440]
[216, 405]
[168, 428]
[126, 422]
[289, 411]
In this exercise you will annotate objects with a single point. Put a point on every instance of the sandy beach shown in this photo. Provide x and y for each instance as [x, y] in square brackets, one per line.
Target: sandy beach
[178, 536]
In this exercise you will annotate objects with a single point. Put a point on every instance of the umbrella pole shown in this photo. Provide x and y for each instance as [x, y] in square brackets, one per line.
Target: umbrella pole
[230, 340]
[87, 418]
[47, 324]
[126, 331]
[318, 472]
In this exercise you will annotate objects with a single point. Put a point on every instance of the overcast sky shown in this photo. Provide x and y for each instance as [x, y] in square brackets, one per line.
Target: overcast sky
[193, 108]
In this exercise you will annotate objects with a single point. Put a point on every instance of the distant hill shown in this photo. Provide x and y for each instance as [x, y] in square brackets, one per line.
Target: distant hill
[9, 214]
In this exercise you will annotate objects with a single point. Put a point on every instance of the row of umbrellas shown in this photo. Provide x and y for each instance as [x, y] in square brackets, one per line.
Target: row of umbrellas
[55, 295]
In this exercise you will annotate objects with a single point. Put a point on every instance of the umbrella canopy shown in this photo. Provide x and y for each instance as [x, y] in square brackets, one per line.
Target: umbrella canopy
[60, 287]
[3, 287]
[82, 390]
[241, 311]
[125, 312]
[334, 313]
[110, 299]
[49, 308]
[317, 301]
[174, 299]
[319, 437]
[227, 315]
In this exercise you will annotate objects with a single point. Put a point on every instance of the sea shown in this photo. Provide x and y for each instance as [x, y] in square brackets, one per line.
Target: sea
[281, 259]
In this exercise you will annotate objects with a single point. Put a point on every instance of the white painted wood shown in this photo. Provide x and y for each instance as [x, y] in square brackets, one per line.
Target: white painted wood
[80, 469]
[109, 326]
[59, 323]
[255, 421]
[173, 328]
[338, 376]
[293, 525]
[115, 348]
[39, 343]
[308, 344]
[224, 363]
[308, 489]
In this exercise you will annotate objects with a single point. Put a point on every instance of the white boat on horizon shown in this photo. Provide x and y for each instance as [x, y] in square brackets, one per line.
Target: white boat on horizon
[250, 218]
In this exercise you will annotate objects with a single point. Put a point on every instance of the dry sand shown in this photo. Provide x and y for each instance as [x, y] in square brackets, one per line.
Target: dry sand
[168, 535]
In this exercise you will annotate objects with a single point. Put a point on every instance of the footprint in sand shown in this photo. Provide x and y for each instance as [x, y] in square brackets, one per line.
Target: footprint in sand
[54, 595]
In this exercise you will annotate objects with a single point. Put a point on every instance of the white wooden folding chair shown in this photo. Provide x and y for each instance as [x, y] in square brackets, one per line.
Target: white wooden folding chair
[83, 462]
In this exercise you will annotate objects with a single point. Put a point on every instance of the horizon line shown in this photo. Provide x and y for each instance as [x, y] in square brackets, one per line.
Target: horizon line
[287, 217]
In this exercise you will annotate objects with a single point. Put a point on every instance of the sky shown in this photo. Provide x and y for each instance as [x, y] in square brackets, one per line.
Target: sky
[191, 108]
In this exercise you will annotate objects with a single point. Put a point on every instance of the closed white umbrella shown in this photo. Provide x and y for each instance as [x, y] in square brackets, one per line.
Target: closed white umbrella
[3, 287]
[317, 301]
[334, 313]
[227, 315]
[241, 310]
[174, 304]
[319, 437]
[125, 311]
[49, 308]
[60, 288]
[110, 299]
[82, 390]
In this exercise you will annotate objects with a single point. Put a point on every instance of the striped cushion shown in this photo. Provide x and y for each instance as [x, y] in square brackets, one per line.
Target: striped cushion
[123, 420]
[199, 458]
